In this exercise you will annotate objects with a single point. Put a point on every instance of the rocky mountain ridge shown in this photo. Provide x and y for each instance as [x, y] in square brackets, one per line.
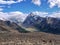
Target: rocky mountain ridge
[36, 23]
[8, 26]
[45, 24]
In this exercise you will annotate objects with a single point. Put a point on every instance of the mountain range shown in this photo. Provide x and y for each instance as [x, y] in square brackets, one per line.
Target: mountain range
[7, 27]
[45, 24]
[32, 23]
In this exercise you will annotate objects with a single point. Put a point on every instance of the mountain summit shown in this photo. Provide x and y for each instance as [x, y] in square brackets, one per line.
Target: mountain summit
[45, 24]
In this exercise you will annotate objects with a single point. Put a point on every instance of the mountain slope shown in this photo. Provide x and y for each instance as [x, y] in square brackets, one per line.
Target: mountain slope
[45, 24]
[7, 26]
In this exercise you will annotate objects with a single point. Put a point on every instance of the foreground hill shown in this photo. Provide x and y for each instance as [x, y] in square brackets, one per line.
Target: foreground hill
[35, 38]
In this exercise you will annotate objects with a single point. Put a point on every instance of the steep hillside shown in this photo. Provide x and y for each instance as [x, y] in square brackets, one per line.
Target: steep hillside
[10, 27]
[45, 24]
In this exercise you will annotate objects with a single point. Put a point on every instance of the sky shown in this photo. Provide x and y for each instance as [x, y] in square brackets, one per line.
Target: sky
[20, 8]
[27, 6]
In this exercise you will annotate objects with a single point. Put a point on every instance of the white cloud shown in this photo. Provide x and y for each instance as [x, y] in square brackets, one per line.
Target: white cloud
[55, 15]
[46, 14]
[13, 16]
[19, 16]
[36, 2]
[54, 3]
[41, 14]
[3, 16]
[9, 2]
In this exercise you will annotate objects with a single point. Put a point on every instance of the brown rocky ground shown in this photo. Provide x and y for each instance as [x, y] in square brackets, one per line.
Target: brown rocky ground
[34, 38]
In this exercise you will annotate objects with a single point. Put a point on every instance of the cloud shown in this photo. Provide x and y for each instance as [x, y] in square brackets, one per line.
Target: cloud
[16, 16]
[54, 3]
[19, 16]
[36, 2]
[3, 16]
[41, 14]
[46, 14]
[9, 2]
[55, 15]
